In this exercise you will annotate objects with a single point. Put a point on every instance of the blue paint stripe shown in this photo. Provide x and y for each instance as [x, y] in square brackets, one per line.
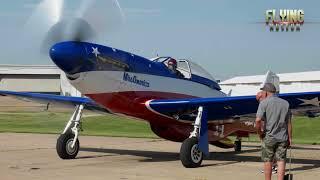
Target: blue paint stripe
[228, 107]
[225, 99]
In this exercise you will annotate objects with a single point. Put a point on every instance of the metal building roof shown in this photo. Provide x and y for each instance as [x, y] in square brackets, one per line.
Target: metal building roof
[30, 69]
[284, 77]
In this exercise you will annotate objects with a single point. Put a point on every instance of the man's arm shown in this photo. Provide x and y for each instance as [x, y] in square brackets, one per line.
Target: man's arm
[259, 127]
[289, 117]
[260, 114]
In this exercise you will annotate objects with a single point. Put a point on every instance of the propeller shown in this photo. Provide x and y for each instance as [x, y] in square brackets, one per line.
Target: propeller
[52, 22]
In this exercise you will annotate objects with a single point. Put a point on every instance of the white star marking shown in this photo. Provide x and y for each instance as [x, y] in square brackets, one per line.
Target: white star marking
[314, 101]
[95, 51]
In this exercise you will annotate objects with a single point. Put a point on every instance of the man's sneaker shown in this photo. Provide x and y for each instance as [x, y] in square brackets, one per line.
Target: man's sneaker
[274, 170]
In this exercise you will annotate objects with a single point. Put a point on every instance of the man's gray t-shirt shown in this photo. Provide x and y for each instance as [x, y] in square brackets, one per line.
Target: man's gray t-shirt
[275, 111]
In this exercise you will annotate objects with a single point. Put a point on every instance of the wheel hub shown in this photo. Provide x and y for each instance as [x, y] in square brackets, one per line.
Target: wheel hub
[196, 154]
[71, 150]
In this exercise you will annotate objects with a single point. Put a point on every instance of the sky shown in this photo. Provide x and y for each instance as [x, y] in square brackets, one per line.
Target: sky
[223, 36]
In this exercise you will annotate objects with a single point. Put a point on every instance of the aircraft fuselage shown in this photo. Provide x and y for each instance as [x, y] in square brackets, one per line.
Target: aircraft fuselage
[123, 82]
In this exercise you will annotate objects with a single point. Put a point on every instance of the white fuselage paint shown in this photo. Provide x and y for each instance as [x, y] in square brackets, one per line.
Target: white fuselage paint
[97, 82]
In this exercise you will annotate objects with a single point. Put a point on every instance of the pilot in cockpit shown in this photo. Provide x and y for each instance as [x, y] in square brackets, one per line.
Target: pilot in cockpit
[172, 65]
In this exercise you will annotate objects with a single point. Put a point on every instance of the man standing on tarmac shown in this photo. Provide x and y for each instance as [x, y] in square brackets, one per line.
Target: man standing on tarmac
[277, 134]
[261, 95]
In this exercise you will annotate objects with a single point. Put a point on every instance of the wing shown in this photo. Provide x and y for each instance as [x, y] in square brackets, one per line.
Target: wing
[56, 99]
[232, 108]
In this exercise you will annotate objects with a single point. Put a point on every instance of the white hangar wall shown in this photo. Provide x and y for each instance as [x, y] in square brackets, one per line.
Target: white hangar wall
[289, 83]
[35, 78]
[31, 83]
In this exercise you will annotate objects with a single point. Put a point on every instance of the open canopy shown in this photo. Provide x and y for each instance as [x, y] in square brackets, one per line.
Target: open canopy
[187, 67]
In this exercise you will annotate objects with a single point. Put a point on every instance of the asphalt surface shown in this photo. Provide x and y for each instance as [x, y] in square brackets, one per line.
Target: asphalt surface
[33, 156]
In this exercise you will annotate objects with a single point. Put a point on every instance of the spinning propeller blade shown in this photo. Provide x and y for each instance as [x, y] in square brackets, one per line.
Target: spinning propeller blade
[51, 22]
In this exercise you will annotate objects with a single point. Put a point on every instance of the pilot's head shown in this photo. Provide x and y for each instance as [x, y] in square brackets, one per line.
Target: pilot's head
[172, 64]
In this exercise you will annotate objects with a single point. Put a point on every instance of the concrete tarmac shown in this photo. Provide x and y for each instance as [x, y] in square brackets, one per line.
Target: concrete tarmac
[33, 156]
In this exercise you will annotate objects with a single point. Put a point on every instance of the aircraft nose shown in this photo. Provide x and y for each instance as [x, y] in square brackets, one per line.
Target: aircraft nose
[68, 56]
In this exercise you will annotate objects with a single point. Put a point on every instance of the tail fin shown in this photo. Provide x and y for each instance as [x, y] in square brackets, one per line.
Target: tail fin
[230, 92]
[272, 77]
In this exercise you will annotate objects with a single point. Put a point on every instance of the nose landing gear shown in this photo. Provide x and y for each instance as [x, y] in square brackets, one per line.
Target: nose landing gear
[68, 143]
[65, 147]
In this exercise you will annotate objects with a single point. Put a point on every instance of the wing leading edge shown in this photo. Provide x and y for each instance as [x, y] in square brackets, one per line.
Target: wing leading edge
[223, 108]
[49, 98]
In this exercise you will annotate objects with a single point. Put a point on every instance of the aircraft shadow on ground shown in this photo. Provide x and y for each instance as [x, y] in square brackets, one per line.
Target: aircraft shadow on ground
[151, 156]
[227, 157]
[295, 148]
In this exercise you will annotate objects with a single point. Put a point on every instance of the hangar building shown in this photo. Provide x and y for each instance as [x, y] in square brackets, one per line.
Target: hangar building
[289, 82]
[35, 78]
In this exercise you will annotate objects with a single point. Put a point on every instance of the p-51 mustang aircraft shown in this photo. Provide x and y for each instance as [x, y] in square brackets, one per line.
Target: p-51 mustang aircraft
[179, 99]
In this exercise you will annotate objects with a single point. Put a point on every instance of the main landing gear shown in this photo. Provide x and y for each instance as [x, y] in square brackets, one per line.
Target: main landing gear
[190, 154]
[68, 144]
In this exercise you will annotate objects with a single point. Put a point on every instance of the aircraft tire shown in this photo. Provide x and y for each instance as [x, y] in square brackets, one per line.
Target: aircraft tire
[63, 146]
[190, 155]
[237, 146]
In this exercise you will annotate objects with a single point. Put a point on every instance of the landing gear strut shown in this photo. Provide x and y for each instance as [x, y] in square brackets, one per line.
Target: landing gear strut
[237, 145]
[190, 154]
[68, 144]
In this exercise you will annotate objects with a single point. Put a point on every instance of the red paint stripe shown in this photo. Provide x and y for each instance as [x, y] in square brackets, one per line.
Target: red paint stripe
[132, 103]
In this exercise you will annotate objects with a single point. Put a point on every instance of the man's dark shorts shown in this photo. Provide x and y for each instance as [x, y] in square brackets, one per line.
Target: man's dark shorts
[273, 150]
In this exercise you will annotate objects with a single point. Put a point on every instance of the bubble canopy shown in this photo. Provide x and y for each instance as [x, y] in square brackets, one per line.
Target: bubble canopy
[192, 71]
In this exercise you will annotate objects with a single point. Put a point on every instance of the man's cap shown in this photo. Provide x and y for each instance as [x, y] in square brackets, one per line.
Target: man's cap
[269, 87]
